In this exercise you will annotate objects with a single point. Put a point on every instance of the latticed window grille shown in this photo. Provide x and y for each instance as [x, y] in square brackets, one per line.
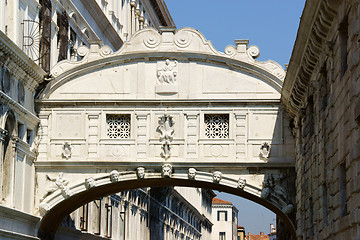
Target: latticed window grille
[118, 126]
[217, 125]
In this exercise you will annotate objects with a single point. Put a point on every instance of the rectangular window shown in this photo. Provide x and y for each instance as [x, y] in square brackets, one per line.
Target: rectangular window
[311, 219]
[342, 190]
[63, 38]
[222, 215]
[343, 41]
[216, 125]
[118, 126]
[324, 204]
[29, 136]
[222, 236]
[21, 131]
[324, 88]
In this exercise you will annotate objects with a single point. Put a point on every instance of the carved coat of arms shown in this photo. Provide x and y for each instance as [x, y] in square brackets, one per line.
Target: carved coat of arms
[166, 130]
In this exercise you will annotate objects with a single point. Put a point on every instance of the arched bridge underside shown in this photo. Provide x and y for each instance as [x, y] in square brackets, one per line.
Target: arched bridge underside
[166, 109]
[65, 200]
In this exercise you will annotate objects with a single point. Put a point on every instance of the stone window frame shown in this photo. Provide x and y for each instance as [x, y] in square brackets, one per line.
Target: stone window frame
[203, 125]
[133, 126]
[120, 117]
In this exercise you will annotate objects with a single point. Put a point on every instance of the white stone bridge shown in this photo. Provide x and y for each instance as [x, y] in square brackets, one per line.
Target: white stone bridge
[166, 109]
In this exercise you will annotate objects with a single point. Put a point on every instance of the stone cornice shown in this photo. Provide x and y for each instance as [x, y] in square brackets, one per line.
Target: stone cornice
[14, 53]
[17, 108]
[153, 102]
[314, 26]
[184, 164]
[97, 14]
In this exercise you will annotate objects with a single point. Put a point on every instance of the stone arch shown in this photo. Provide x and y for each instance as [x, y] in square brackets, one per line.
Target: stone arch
[66, 199]
[7, 156]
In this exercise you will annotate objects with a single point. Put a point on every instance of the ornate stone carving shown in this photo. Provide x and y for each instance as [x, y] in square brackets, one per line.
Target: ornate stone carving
[114, 176]
[217, 176]
[61, 183]
[3, 134]
[89, 182]
[82, 50]
[105, 50]
[166, 130]
[183, 39]
[66, 150]
[166, 170]
[274, 192]
[230, 50]
[253, 51]
[140, 172]
[265, 150]
[152, 39]
[191, 173]
[241, 183]
[168, 73]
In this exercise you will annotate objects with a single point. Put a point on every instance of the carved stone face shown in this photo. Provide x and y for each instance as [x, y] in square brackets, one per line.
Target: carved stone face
[192, 173]
[217, 176]
[166, 170]
[114, 176]
[241, 183]
[140, 172]
[89, 182]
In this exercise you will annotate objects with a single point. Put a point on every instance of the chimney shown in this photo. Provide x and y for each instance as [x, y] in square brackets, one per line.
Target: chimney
[261, 233]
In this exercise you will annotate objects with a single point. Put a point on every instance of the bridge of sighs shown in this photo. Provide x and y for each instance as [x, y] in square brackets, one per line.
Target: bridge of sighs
[166, 109]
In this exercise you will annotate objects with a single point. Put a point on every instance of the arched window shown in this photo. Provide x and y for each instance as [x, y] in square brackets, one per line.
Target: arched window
[7, 159]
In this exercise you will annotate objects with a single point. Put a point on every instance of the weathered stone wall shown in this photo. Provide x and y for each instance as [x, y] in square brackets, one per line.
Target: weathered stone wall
[326, 130]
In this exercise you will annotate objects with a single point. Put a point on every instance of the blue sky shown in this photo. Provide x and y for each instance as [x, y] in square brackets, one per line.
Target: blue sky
[270, 25]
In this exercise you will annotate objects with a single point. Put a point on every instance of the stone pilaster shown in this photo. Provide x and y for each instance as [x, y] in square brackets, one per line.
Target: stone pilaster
[93, 135]
[43, 136]
[240, 135]
[141, 135]
[192, 132]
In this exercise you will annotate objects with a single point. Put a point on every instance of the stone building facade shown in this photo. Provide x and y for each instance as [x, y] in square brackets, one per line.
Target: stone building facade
[225, 219]
[321, 93]
[146, 214]
[49, 31]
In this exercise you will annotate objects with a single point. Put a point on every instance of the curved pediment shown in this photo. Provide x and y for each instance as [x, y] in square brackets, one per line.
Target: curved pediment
[171, 64]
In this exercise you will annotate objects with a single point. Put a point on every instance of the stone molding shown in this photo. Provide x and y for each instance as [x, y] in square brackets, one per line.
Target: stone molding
[314, 26]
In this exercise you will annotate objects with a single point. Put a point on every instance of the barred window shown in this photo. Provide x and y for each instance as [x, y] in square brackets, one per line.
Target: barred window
[217, 125]
[118, 126]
